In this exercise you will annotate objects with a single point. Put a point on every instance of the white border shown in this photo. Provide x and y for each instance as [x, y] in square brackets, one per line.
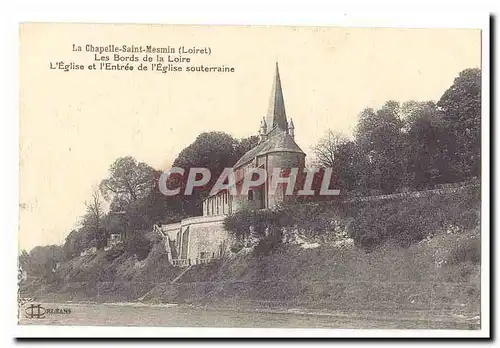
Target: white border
[419, 15]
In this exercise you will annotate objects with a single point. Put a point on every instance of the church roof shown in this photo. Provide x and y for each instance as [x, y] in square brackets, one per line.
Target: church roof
[276, 115]
[279, 142]
[278, 139]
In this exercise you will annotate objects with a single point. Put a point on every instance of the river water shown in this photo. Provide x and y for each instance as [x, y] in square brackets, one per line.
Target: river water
[136, 314]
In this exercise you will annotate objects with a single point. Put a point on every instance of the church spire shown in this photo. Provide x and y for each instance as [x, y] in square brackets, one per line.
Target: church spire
[262, 130]
[276, 116]
[291, 129]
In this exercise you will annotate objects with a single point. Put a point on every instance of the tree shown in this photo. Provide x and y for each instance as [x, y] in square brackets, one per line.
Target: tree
[41, 262]
[328, 148]
[92, 220]
[158, 208]
[424, 136]
[211, 150]
[336, 151]
[23, 260]
[128, 181]
[245, 144]
[380, 140]
[76, 242]
[348, 166]
[461, 107]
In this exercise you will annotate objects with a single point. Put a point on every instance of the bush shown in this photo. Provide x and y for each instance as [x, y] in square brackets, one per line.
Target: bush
[311, 219]
[403, 220]
[240, 223]
[409, 220]
[236, 248]
[268, 243]
[395, 222]
[467, 250]
[137, 244]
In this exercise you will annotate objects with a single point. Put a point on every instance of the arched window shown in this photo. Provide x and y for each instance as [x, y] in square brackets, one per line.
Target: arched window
[250, 195]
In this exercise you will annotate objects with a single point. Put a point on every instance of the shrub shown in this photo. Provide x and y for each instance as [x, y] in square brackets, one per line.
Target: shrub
[241, 222]
[375, 225]
[137, 244]
[267, 244]
[312, 219]
[409, 220]
[467, 250]
[403, 220]
[236, 248]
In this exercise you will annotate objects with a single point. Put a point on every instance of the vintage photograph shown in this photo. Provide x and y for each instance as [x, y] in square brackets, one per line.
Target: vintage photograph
[250, 176]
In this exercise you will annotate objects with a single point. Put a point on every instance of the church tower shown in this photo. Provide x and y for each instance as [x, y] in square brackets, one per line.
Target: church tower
[276, 149]
[276, 115]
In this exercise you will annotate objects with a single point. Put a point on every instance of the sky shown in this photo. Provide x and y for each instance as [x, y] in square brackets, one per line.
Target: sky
[74, 124]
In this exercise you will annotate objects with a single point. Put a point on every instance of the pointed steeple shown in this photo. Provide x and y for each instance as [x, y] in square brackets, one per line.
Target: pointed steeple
[291, 129]
[262, 130]
[263, 125]
[276, 116]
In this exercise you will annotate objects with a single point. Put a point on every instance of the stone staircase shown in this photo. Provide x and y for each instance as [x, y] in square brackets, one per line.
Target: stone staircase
[182, 273]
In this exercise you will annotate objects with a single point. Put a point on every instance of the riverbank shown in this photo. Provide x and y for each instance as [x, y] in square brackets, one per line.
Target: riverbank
[141, 314]
[326, 277]
[366, 303]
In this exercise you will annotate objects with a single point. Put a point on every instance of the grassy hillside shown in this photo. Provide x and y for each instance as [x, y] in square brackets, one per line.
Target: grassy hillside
[424, 276]
[424, 253]
[111, 275]
[419, 253]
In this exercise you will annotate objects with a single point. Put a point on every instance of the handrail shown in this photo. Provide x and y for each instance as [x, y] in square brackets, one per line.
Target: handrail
[180, 262]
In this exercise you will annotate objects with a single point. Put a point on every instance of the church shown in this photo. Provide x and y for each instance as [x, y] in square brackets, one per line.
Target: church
[200, 239]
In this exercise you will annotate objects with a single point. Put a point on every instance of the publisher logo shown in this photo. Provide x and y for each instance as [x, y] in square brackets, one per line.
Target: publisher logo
[35, 311]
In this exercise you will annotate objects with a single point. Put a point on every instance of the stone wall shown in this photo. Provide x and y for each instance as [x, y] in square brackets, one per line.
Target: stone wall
[197, 235]
[207, 240]
[171, 230]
